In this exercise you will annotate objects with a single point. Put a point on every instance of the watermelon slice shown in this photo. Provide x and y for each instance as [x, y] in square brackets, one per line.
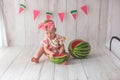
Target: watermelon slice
[74, 14]
[22, 7]
[48, 15]
[58, 58]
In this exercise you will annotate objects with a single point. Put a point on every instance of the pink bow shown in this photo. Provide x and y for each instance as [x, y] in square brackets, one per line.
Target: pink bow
[41, 26]
[48, 25]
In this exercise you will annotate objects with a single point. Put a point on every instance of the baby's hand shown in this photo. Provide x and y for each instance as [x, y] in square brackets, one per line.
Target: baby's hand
[51, 56]
[61, 51]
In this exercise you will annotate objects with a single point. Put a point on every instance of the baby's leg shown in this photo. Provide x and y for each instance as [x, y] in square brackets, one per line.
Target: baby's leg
[68, 56]
[39, 54]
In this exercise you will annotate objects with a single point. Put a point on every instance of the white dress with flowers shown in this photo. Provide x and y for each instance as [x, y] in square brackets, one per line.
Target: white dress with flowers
[54, 44]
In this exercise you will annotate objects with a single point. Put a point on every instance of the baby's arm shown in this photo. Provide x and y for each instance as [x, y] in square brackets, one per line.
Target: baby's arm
[48, 51]
[62, 49]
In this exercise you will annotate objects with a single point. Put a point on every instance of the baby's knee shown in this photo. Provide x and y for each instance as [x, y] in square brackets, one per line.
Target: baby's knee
[42, 49]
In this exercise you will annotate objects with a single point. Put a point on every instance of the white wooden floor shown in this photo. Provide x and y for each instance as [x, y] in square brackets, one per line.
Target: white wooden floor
[15, 64]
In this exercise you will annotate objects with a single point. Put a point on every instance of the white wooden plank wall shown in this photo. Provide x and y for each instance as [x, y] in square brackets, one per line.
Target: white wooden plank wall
[102, 22]
[22, 29]
[113, 28]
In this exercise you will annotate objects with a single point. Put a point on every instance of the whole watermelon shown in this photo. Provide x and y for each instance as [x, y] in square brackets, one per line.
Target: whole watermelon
[79, 48]
[58, 58]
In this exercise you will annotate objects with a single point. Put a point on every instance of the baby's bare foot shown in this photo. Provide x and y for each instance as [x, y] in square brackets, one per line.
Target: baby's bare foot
[36, 60]
[65, 63]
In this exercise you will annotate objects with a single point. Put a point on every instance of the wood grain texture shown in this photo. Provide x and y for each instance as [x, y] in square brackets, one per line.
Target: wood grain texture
[101, 64]
[113, 28]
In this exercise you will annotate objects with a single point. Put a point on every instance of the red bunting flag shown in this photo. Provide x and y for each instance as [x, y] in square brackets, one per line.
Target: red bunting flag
[84, 9]
[61, 16]
[36, 13]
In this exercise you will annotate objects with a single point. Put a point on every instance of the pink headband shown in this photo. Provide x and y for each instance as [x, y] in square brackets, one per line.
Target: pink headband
[48, 25]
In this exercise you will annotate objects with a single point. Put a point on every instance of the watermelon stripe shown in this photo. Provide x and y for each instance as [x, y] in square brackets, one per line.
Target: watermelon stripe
[49, 13]
[72, 54]
[73, 11]
[83, 48]
[86, 44]
[83, 52]
[81, 44]
[22, 5]
[80, 56]
[58, 60]
[75, 54]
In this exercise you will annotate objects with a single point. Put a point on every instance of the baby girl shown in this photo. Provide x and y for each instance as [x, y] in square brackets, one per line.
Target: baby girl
[52, 43]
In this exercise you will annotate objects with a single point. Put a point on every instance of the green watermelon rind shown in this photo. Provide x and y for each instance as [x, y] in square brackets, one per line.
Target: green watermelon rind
[71, 50]
[58, 60]
[85, 52]
[81, 50]
[82, 44]
[74, 41]
[78, 56]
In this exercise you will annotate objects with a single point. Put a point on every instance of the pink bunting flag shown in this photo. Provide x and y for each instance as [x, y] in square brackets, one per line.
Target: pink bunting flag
[74, 14]
[61, 16]
[21, 9]
[48, 15]
[84, 8]
[36, 13]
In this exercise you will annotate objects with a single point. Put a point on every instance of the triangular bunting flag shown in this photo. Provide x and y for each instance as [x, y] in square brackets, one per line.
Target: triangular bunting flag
[74, 14]
[48, 15]
[36, 13]
[22, 7]
[61, 16]
[84, 8]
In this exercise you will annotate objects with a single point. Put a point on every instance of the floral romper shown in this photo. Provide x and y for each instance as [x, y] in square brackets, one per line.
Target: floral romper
[54, 44]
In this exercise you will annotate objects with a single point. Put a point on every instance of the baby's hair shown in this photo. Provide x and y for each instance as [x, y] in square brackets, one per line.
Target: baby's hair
[48, 20]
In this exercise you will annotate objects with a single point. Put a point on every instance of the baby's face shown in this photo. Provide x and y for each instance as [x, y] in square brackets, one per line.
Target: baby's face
[50, 33]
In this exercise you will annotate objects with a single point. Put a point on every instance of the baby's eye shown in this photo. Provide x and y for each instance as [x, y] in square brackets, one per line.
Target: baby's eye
[51, 33]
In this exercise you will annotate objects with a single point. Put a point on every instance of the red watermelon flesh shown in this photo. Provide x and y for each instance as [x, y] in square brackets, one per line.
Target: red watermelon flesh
[59, 55]
[48, 16]
[74, 43]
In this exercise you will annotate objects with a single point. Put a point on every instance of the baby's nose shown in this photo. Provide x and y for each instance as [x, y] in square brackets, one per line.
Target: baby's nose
[49, 35]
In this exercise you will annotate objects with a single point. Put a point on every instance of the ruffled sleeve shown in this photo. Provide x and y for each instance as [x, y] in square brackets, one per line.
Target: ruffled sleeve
[45, 42]
[61, 39]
